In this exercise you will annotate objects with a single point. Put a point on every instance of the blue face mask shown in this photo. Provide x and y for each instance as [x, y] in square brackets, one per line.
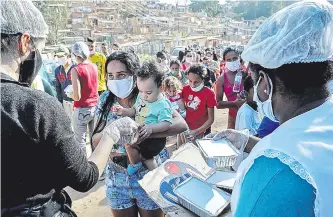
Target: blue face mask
[265, 108]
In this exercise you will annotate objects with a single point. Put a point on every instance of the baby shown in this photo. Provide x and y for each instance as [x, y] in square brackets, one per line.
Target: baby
[173, 89]
[153, 112]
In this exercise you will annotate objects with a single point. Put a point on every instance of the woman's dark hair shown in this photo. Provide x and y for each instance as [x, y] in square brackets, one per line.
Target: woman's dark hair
[174, 62]
[181, 56]
[196, 69]
[150, 69]
[227, 50]
[161, 55]
[210, 78]
[132, 65]
[302, 82]
[215, 56]
[248, 83]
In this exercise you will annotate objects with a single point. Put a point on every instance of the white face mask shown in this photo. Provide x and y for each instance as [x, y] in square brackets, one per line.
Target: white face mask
[233, 66]
[62, 60]
[198, 88]
[265, 108]
[188, 59]
[121, 88]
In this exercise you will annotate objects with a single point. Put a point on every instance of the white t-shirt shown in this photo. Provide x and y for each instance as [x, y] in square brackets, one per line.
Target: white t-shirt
[247, 118]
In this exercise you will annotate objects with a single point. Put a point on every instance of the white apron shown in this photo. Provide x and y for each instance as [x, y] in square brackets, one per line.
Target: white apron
[308, 139]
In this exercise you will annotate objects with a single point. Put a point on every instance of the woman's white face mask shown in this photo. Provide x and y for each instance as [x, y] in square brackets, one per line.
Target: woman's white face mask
[265, 108]
[121, 88]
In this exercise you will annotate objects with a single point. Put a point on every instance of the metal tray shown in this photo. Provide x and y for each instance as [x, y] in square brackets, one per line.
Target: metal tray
[225, 180]
[218, 154]
[212, 204]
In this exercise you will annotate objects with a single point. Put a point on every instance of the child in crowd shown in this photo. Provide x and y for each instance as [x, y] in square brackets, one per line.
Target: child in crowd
[247, 115]
[173, 90]
[199, 103]
[153, 112]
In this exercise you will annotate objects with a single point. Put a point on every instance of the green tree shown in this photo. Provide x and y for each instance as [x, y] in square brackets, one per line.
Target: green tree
[251, 10]
[56, 15]
[212, 8]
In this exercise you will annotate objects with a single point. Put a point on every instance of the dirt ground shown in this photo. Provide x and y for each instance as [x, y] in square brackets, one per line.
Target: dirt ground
[94, 202]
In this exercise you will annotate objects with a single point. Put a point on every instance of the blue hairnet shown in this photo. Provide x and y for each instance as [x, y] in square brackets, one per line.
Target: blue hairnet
[299, 33]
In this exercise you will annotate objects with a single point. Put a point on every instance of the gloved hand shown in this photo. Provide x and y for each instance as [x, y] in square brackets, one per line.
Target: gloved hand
[123, 130]
[238, 139]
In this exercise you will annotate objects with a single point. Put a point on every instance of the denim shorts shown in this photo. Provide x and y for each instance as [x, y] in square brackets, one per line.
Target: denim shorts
[123, 190]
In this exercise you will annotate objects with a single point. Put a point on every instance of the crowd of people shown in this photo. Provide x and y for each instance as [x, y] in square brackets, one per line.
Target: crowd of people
[280, 115]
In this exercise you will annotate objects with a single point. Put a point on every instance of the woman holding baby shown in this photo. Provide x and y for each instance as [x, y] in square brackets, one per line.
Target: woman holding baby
[125, 195]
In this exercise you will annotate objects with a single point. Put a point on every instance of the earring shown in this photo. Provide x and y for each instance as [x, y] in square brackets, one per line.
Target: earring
[265, 91]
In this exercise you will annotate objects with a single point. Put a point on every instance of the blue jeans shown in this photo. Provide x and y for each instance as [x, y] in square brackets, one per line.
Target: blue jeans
[123, 190]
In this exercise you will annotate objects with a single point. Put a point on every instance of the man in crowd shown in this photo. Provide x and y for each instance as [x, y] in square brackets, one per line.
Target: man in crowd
[105, 49]
[99, 59]
[63, 79]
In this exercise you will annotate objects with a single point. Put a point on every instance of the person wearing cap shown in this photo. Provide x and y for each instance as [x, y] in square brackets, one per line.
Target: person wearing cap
[62, 76]
[105, 49]
[37, 143]
[289, 172]
[85, 94]
[99, 59]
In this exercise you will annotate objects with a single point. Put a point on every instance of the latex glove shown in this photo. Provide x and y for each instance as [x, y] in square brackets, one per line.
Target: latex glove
[238, 139]
[123, 130]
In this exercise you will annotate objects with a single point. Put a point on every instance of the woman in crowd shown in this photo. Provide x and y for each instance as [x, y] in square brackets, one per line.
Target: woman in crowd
[187, 62]
[224, 85]
[199, 103]
[37, 142]
[290, 168]
[85, 95]
[125, 195]
[212, 64]
[176, 71]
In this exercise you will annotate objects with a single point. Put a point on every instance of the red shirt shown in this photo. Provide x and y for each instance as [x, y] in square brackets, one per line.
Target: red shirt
[196, 104]
[88, 75]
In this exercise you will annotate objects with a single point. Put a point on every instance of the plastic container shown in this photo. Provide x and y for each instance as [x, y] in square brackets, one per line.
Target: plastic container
[238, 81]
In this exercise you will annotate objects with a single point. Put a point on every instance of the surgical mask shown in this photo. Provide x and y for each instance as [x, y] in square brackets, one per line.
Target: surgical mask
[265, 108]
[30, 67]
[188, 59]
[62, 60]
[175, 72]
[121, 88]
[198, 88]
[233, 66]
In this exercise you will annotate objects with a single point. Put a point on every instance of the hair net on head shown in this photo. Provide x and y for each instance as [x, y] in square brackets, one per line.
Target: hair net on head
[21, 16]
[299, 33]
[81, 49]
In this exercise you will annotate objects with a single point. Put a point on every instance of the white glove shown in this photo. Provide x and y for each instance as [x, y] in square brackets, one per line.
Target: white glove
[123, 128]
[238, 139]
